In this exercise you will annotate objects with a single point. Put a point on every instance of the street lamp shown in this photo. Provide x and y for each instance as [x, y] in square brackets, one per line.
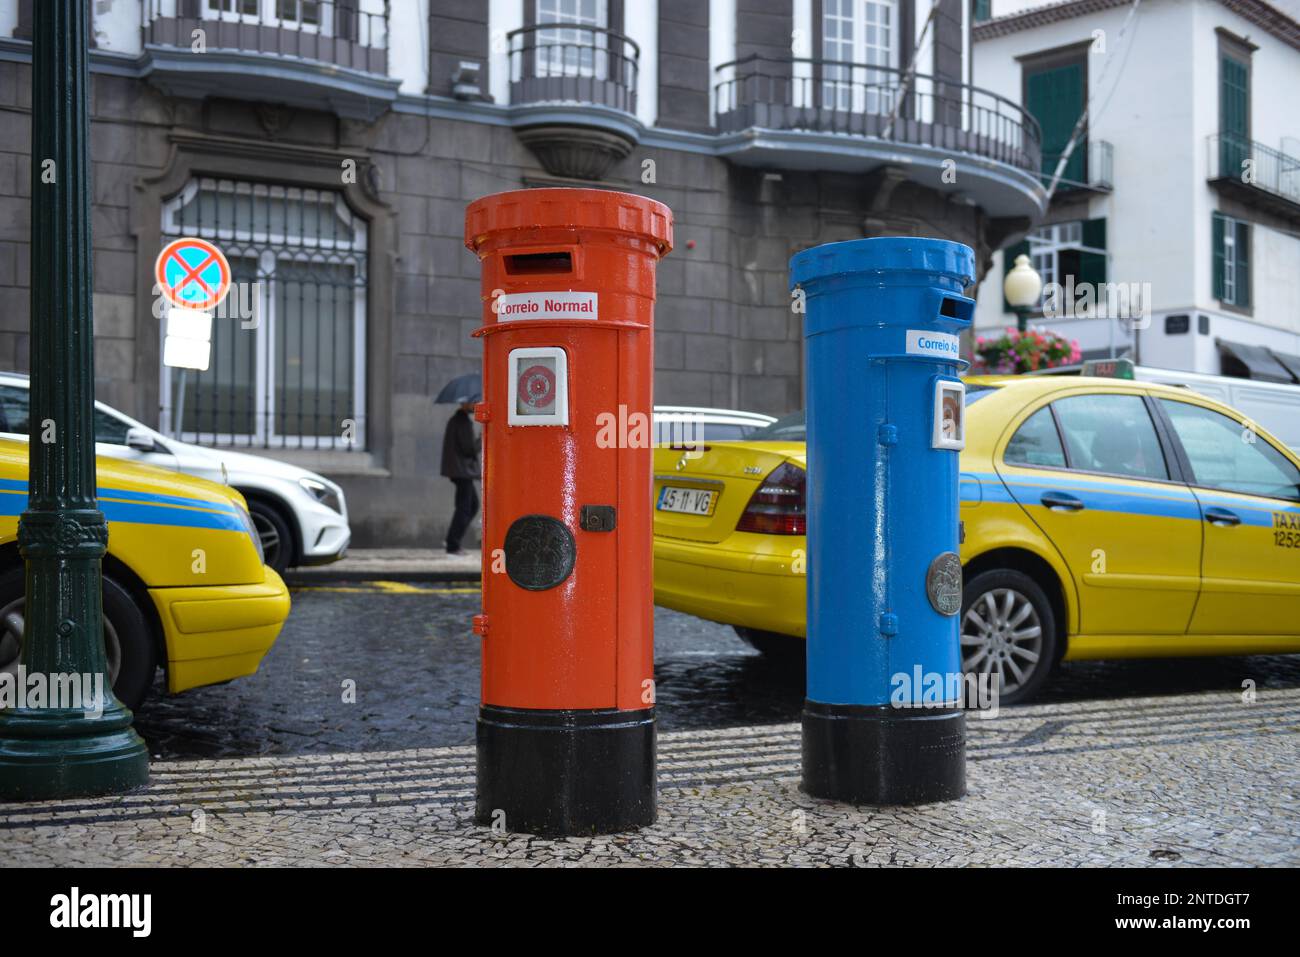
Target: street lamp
[64, 745]
[1022, 287]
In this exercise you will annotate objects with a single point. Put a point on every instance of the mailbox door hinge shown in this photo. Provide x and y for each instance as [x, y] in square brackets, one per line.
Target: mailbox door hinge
[480, 624]
[482, 412]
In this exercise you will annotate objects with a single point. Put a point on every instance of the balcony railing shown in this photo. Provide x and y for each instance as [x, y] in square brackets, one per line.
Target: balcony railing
[352, 34]
[1091, 167]
[1254, 166]
[834, 96]
[569, 63]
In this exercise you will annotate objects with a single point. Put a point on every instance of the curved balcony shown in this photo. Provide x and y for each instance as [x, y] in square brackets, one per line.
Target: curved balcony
[573, 93]
[319, 54]
[837, 115]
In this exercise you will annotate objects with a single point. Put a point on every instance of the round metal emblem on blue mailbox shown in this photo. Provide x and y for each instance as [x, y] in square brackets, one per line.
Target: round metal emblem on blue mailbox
[886, 425]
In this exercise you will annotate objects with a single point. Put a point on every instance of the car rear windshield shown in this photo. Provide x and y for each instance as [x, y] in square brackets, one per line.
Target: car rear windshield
[676, 431]
[788, 428]
[792, 427]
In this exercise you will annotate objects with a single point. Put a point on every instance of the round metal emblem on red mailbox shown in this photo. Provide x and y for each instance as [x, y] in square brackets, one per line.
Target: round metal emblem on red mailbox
[539, 552]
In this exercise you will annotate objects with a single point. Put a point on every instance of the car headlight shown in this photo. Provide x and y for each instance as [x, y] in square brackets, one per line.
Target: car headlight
[251, 529]
[322, 493]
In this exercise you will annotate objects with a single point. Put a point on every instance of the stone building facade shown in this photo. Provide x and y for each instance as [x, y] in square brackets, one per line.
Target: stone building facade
[335, 163]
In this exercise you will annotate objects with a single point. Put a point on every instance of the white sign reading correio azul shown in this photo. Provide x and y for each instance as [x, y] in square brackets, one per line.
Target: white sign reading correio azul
[513, 306]
[941, 345]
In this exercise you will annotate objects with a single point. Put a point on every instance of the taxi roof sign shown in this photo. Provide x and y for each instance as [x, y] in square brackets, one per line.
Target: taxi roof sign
[1109, 368]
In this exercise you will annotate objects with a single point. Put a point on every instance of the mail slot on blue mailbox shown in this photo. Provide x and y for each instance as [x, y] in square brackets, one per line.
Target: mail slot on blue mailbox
[886, 425]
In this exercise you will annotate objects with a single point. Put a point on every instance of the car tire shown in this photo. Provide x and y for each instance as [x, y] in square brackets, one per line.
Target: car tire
[274, 531]
[128, 638]
[771, 644]
[1008, 629]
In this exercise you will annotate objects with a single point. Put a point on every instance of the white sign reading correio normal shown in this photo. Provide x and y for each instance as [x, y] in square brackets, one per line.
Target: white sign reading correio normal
[513, 306]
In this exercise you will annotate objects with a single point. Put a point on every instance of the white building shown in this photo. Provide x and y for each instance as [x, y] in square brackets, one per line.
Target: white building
[1186, 181]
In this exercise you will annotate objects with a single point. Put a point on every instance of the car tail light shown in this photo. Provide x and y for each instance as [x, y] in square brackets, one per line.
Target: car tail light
[778, 507]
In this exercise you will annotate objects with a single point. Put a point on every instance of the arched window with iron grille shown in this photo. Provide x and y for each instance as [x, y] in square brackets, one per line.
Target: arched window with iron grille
[287, 367]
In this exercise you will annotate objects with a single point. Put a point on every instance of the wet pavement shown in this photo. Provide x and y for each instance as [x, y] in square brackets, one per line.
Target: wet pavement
[1196, 779]
[409, 649]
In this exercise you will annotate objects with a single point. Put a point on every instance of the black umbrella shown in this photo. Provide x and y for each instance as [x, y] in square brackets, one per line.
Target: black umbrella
[463, 388]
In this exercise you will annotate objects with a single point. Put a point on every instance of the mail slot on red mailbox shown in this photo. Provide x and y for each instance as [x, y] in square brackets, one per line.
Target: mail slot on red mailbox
[566, 736]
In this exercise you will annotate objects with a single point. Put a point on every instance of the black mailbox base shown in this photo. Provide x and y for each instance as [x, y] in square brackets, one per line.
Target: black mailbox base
[561, 773]
[882, 755]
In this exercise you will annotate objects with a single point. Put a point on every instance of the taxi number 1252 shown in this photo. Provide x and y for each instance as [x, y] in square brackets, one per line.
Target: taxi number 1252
[1286, 530]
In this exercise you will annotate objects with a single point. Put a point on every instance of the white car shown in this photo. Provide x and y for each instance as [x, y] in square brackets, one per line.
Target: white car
[300, 516]
[1274, 405]
[677, 423]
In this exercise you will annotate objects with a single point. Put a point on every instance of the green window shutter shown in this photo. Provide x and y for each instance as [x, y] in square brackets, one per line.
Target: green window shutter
[1092, 266]
[1094, 232]
[1234, 97]
[1055, 99]
[1217, 242]
[1243, 264]
[1234, 116]
[1008, 260]
[983, 10]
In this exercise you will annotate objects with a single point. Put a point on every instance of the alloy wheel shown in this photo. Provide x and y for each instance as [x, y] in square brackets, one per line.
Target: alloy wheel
[270, 538]
[13, 624]
[1002, 635]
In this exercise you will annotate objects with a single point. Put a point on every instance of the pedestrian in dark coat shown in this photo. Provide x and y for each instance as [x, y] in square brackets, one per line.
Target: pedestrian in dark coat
[460, 464]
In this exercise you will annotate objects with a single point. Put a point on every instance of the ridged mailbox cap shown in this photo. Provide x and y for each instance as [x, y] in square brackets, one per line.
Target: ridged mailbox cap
[524, 210]
[887, 258]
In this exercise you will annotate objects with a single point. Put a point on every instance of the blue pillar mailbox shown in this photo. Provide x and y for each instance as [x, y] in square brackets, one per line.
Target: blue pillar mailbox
[886, 425]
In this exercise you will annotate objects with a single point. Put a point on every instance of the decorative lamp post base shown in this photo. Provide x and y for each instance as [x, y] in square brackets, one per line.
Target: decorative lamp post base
[48, 754]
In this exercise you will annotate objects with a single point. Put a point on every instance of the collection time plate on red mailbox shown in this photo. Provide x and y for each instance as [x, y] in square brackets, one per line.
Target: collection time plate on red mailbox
[692, 501]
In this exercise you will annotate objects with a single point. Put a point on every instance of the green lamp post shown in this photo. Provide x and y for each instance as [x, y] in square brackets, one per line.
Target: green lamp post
[54, 746]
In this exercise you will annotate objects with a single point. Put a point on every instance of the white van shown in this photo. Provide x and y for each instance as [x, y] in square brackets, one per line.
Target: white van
[1273, 406]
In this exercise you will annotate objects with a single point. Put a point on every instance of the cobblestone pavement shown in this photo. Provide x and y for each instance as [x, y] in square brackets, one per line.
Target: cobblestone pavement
[415, 662]
[1192, 779]
[1134, 762]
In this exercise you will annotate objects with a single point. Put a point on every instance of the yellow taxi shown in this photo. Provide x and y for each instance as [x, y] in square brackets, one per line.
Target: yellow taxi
[184, 582]
[1102, 518]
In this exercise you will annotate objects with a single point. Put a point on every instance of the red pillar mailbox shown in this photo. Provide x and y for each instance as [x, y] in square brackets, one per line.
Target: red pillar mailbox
[566, 739]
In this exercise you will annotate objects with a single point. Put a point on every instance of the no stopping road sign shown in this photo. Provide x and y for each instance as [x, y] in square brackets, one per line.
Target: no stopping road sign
[192, 274]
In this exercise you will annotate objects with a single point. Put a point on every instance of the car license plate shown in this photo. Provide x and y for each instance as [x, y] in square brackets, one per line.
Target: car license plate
[692, 501]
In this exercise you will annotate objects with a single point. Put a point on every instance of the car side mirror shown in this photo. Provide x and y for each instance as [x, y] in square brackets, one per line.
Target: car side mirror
[140, 440]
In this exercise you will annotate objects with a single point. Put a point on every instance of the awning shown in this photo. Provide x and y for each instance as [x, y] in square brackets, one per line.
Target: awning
[1291, 362]
[1253, 362]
